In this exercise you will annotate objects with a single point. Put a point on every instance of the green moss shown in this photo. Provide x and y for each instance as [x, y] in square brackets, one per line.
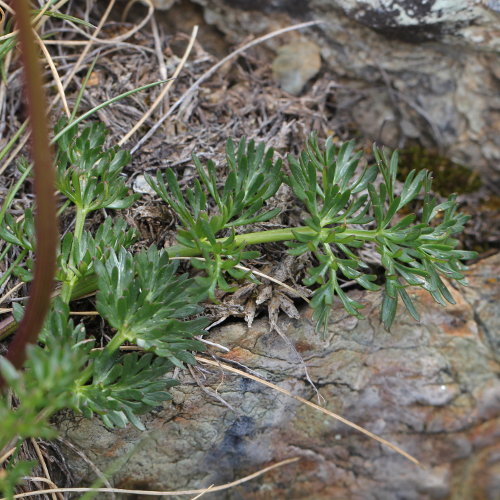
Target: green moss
[448, 177]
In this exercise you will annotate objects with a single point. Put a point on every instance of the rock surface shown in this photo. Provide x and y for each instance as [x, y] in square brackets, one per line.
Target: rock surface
[432, 388]
[295, 64]
[419, 69]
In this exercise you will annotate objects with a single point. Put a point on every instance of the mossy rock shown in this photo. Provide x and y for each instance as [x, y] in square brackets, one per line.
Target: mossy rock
[448, 177]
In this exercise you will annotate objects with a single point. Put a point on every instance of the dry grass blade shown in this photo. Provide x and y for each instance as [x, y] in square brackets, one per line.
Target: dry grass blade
[308, 403]
[55, 74]
[7, 454]
[52, 485]
[16, 287]
[2, 18]
[35, 19]
[274, 280]
[164, 91]
[208, 393]
[160, 493]
[213, 69]
[102, 477]
[208, 490]
[155, 32]
[88, 45]
[67, 80]
[39, 454]
[6, 6]
[122, 37]
[3, 83]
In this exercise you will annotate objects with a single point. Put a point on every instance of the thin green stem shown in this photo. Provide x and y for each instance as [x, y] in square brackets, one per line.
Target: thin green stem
[67, 290]
[5, 150]
[81, 215]
[70, 280]
[8, 272]
[103, 105]
[115, 343]
[63, 207]
[8, 246]
[82, 90]
[12, 193]
[88, 284]
[273, 235]
[328, 251]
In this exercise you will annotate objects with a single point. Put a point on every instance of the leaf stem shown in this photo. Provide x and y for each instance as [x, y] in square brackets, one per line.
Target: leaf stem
[81, 215]
[89, 283]
[273, 235]
[70, 280]
[114, 344]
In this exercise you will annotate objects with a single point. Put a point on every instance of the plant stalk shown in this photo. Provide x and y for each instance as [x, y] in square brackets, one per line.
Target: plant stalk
[273, 235]
[71, 280]
[45, 216]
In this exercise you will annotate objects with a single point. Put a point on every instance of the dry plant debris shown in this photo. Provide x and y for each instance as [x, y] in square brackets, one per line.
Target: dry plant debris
[241, 99]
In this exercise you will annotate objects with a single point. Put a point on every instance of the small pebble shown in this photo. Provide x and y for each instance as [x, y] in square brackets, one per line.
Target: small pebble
[140, 185]
[295, 64]
[162, 4]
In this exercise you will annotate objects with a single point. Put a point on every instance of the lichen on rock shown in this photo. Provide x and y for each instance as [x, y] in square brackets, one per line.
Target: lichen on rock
[430, 387]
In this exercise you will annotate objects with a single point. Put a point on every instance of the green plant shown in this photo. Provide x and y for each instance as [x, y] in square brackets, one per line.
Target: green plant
[140, 295]
[346, 211]
[149, 305]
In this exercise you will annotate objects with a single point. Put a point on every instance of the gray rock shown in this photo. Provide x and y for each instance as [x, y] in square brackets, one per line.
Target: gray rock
[430, 387]
[295, 64]
[426, 68]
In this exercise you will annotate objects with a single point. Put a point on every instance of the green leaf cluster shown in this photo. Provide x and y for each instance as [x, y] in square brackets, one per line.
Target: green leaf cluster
[43, 388]
[122, 387]
[213, 207]
[413, 249]
[349, 206]
[65, 371]
[140, 296]
[88, 174]
[326, 183]
[20, 233]
[13, 474]
[77, 255]
[145, 301]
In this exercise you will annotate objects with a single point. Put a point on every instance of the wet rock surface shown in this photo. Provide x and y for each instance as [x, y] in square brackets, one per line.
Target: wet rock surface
[425, 70]
[430, 387]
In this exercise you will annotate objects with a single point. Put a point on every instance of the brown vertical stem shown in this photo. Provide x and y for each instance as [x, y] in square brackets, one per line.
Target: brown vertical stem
[45, 217]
